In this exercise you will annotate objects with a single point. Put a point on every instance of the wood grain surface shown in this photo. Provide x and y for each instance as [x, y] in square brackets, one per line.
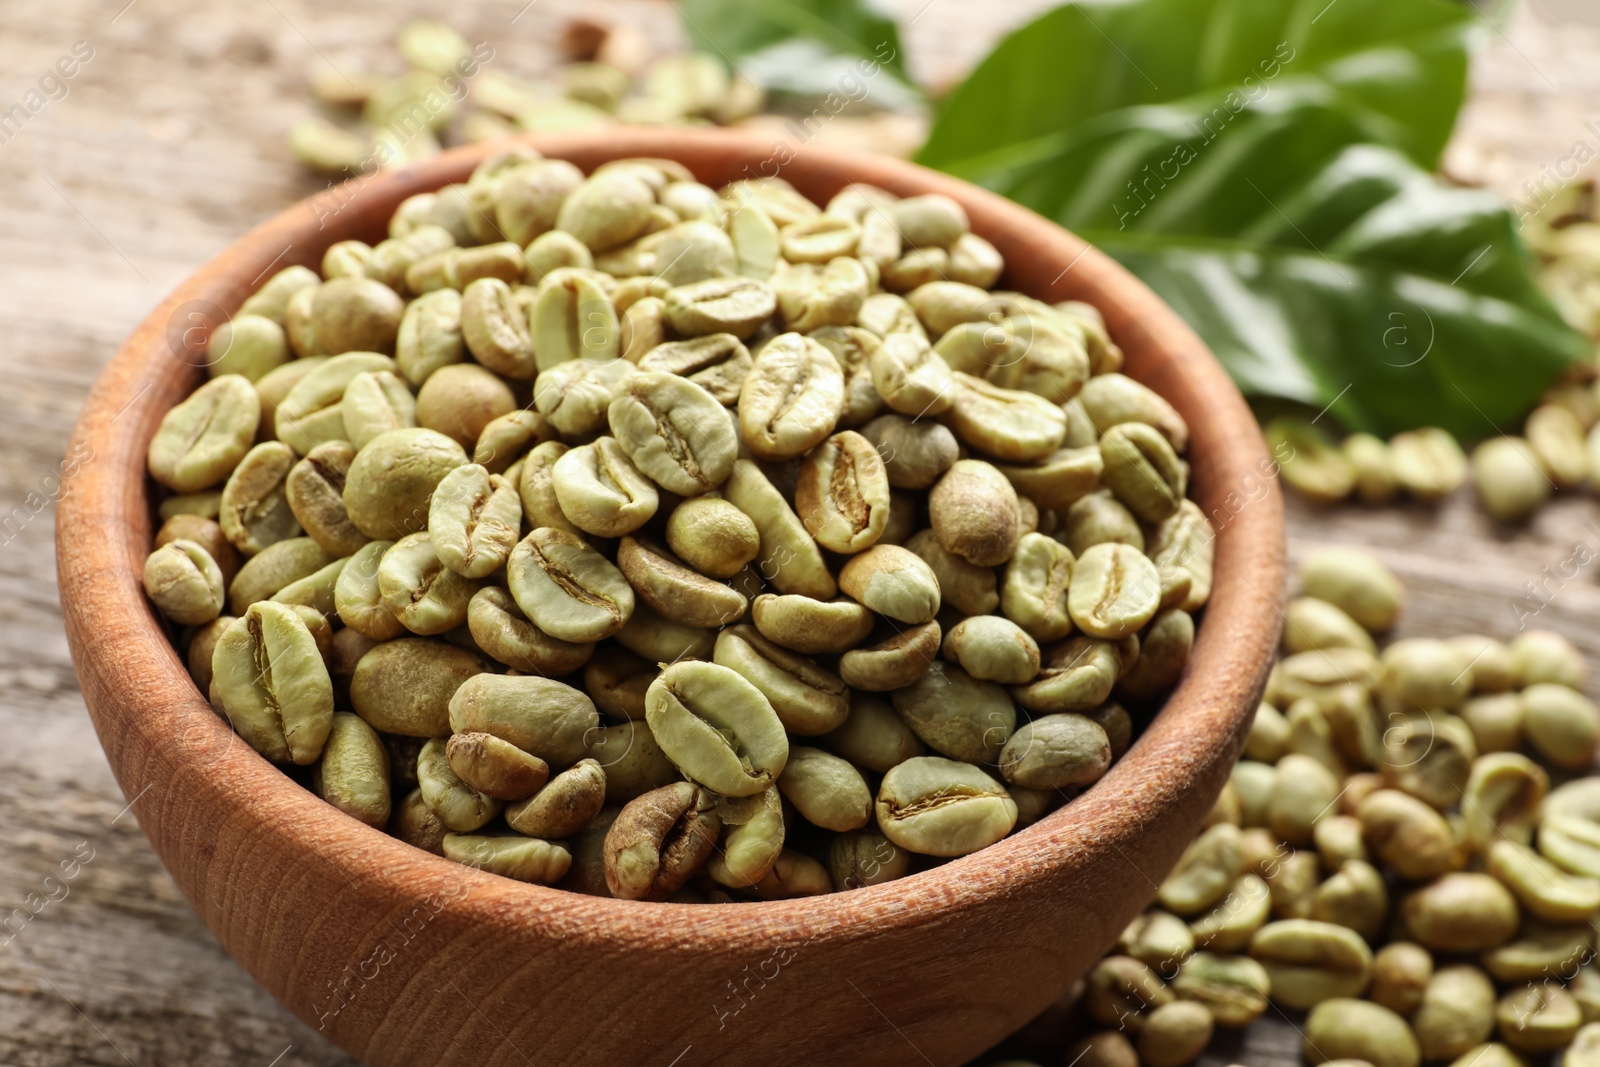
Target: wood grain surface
[167, 145]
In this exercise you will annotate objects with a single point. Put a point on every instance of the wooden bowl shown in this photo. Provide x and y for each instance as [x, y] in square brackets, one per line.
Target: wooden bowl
[403, 958]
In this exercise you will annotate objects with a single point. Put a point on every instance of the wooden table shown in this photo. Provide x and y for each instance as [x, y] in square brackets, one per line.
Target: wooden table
[167, 143]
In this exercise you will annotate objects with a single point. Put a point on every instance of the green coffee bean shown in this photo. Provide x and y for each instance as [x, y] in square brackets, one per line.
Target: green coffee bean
[1309, 461]
[416, 824]
[474, 520]
[1373, 467]
[573, 319]
[864, 858]
[661, 640]
[1543, 888]
[1205, 872]
[184, 583]
[1495, 721]
[1114, 591]
[1312, 962]
[1511, 482]
[809, 626]
[314, 490]
[794, 874]
[1269, 735]
[1585, 1048]
[1539, 952]
[873, 736]
[674, 431]
[376, 402]
[273, 684]
[457, 804]
[405, 686]
[811, 296]
[1537, 1018]
[674, 591]
[1312, 625]
[1539, 656]
[357, 598]
[354, 770]
[993, 649]
[1233, 988]
[893, 582]
[419, 590]
[1401, 971]
[495, 767]
[1112, 399]
[1430, 758]
[807, 699]
[1037, 579]
[606, 210]
[1556, 438]
[842, 494]
[633, 761]
[566, 588]
[202, 440]
[1056, 752]
[752, 840]
[1338, 841]
[1461, 912]
[1353, 896]
[717, 727]
[1292, 880]
[1019, 426]
[826, 790]
[1184, 544]
[1099, 518]
[1164, 650]
[1502, 798]
[524, 858]
[791, 399]
[1355, 582]
[939, 807]
[1174, 1034]
[1159, 940]
[564, 805]
[1428, 463]
[430, 335]
[390, 482]
[541, 716]
[505, 440]
[1584, 985]
[274, 567]
[1304, 793]
[1561, 724]
[1354, 1030]
[1406, 834]
[1229, 926]
[270, 299]
[1120, 992]
[316, 591]
[254, 511]
[967, 719]
[738, 306]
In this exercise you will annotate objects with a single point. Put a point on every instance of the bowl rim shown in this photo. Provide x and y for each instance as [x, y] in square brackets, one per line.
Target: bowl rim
[102, 520]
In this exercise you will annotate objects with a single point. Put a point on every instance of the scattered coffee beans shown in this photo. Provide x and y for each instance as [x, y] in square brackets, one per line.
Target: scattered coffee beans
[1388, 857]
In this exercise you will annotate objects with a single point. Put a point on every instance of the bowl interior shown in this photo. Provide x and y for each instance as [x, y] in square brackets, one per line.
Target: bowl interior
[214, 808]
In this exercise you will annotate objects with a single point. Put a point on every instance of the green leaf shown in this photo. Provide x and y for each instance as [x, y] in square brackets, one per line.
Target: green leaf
[1393, 66]
[798, 44]
[1321, 268]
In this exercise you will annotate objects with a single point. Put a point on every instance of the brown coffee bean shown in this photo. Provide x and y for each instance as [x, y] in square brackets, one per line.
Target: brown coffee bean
[843, 493]
[659, 840]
